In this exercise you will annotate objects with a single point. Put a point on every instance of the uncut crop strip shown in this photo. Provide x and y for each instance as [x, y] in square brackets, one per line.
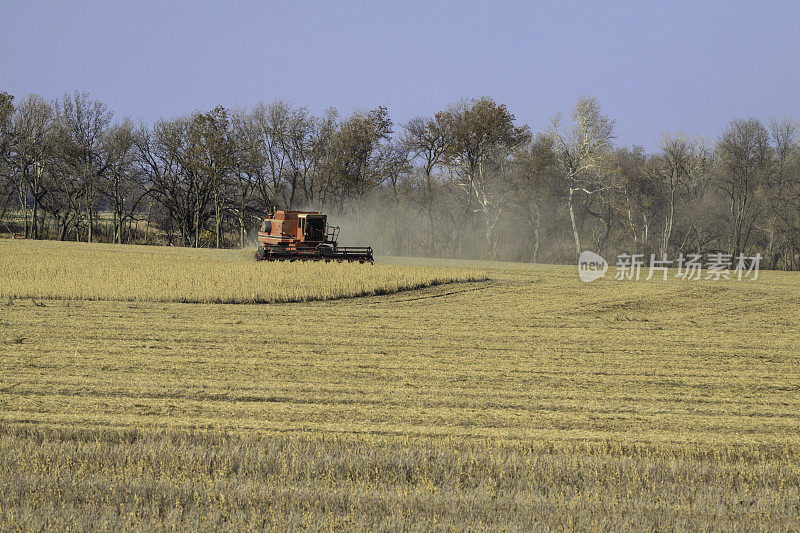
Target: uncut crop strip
[77, 271]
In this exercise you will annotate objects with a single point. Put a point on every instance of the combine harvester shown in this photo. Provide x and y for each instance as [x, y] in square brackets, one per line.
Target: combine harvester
[304, 236]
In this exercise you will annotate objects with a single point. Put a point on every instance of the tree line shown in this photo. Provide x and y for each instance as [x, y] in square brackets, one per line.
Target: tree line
[466, 182]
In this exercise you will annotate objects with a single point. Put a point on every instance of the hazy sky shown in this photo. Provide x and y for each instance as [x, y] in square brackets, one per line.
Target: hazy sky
[654, 66]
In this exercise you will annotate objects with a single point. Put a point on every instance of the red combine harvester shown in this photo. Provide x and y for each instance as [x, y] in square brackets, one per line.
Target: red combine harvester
[304, 236]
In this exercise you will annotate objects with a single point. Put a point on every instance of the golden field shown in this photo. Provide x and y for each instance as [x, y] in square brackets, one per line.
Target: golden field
[80, 271]
[526, 400]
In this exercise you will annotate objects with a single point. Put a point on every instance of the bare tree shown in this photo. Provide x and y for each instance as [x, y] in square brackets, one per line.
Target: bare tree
[784, 196]
[637, 198]
[29, 141]
[124, 185]
[532, 190]
[283, 132]
[247, 167]
[744, 160]
[355, 160]
[318, 174]
[426, 141]
[296, 141]
[81, 123]
[6, 128]
[210, 154]
[681, 161]
[581, 150]
[481, 136]
[164, 156]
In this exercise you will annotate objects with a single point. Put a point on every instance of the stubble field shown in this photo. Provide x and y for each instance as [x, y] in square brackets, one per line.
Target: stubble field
[524, 398]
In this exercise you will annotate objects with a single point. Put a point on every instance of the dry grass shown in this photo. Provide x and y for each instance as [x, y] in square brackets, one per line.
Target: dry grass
[531, 400]
[80, 271]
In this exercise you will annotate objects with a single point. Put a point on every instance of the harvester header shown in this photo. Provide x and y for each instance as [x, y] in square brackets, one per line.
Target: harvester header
[304, 236]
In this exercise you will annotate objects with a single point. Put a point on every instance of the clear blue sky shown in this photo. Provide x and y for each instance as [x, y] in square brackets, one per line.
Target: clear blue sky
[655, 66]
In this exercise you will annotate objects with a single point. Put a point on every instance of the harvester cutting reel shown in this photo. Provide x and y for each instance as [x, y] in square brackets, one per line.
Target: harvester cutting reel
[322, 252]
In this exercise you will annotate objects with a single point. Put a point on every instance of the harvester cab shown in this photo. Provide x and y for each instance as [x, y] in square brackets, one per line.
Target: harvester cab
[304, 236]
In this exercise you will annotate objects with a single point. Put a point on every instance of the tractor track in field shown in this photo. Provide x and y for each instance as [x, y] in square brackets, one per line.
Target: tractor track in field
[486, 284]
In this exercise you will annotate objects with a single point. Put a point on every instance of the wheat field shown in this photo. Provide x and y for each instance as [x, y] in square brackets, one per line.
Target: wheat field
[525, 400]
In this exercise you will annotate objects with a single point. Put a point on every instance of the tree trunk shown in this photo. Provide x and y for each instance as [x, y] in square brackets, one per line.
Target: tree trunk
[119, 221]
[89, 216]
[634, 233]
[536, 229]
[23, 204]
[216, 216]
[431, 235]
[196, 223]
[62, 223]
[147, 227]
[491, 252]
[771, 259]
[574, 225]
[668, 224]
[35, 220]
